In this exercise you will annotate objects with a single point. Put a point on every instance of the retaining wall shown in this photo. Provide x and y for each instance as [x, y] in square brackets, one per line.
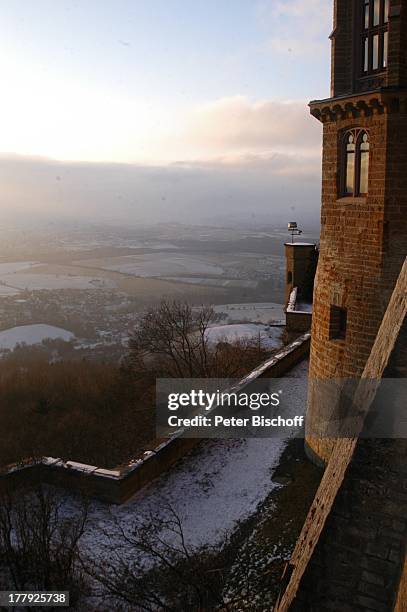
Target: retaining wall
[116, 486]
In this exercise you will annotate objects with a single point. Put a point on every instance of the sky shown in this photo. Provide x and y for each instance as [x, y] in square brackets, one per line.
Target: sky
[178, 86]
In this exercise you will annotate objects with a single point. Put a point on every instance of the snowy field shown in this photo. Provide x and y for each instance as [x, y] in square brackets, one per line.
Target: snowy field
[15, 266]
[31, 275]
[8, 274]
[217, 485]
[215, 282]
[6, 291]
[270, 337]
[156, 264]
[32, 281]
[262, 312]
[32, 334]
[211, 489]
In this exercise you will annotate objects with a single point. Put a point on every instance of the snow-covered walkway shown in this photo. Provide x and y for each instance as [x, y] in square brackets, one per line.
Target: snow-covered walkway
[218, 484]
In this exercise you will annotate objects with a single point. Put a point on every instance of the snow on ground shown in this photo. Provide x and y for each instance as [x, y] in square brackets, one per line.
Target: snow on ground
[33, 281]
[261, 312]
[15, 266]
[156, 264]
[212, 489]
[31, 275]
[303, 307]
[270, 336]
[32, 334]
[215, 282]
[8, 291]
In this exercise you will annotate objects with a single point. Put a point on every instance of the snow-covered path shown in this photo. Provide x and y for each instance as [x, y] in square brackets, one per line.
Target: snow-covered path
[211, 489]
[218, 484]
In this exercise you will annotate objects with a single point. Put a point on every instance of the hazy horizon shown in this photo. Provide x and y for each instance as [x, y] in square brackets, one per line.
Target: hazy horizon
[181, 192]
[144, 113]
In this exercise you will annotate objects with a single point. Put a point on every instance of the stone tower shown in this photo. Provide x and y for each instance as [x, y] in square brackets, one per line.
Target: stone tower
[364, 196]
[300, 261]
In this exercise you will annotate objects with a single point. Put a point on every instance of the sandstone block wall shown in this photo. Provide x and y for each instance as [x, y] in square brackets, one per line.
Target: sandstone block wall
[358, 561]
[363, 245]
[352, 547]
[345, 54]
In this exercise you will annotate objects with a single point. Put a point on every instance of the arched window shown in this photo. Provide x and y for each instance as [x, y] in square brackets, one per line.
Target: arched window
[350, 164]
[356, 163]
[364, 162]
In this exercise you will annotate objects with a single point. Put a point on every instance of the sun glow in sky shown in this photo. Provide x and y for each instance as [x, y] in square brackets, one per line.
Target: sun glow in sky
[156, 81]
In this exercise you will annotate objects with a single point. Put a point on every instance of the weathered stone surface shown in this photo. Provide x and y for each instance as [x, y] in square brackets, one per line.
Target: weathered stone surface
[354, 522]
[363, 239]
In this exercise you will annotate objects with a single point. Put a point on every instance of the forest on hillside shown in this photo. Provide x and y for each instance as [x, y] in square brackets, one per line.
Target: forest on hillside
[101, 413]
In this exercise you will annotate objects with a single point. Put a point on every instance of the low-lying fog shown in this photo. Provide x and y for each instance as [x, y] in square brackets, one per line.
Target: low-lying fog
[254, 190]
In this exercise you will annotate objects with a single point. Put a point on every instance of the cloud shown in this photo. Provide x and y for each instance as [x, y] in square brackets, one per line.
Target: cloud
[192, 191]
[232, 157]
[235, 126]
[298, 27]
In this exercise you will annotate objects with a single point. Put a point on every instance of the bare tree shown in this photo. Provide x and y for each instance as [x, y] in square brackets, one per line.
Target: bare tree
[172, 340]
[151, 568]
[38, 544]
[176, 335]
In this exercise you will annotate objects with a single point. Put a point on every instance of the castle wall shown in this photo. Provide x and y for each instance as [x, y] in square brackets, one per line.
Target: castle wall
[345, 52]
[352, 547]
[117, 486]
[397, 70]
[363, 244]
[300, 263]
[341, 53]
[298, 321]
[358, 561]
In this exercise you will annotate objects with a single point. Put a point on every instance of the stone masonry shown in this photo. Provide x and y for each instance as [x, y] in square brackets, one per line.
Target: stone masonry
[363, 239]
[352, 548]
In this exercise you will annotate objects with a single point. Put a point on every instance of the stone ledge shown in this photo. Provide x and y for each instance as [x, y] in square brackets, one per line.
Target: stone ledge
[385, 100]
[118, 485]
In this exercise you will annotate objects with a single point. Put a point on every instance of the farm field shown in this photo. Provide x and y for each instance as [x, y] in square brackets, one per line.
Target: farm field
[32, 334]
[97, 282]
[262, 312]
[269, 337]
[54, 277]
[156, 264]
